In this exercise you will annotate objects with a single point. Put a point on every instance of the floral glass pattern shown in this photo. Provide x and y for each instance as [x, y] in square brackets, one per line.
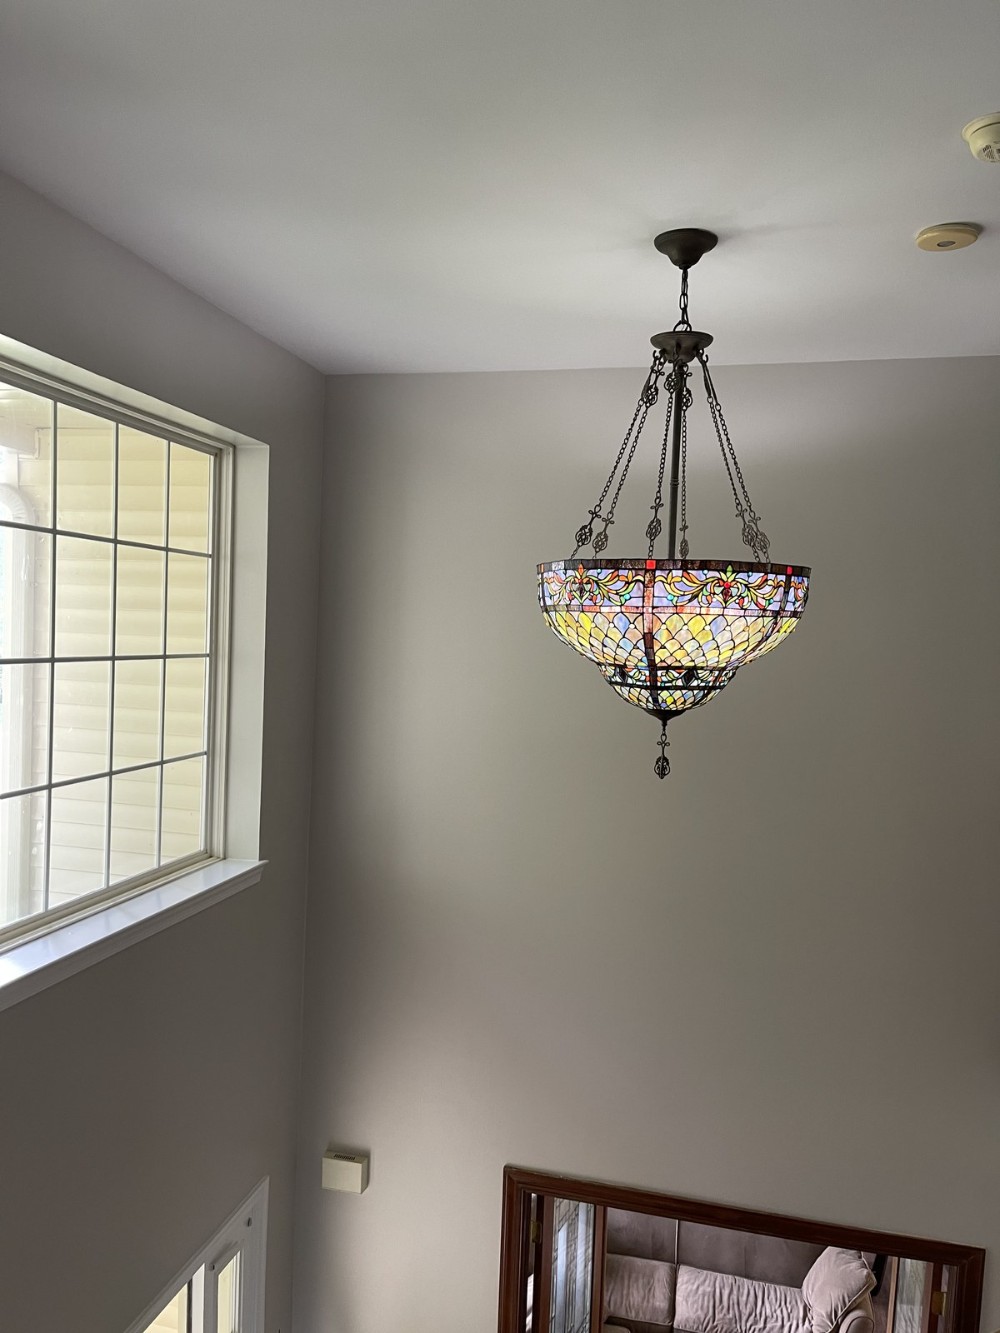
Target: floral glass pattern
[668, 635]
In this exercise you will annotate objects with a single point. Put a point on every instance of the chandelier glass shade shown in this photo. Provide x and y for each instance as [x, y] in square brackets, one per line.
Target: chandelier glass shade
[669, 634]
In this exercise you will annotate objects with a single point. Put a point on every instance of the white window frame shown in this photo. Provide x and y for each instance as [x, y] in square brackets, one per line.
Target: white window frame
[244, 1232]
[213, 806]
[41, 950]
[16, 508]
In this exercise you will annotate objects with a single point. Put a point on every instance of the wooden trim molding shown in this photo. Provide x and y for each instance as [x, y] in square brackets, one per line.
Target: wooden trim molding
[597, 1277]
[520, 1184]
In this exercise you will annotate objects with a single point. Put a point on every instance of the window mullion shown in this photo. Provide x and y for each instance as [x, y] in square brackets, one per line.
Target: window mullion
[208, 779]
[93, 777]
[103, 657]
[50, 739]
[217, 663]
[111, 669]
[16, 526]
[163, 664]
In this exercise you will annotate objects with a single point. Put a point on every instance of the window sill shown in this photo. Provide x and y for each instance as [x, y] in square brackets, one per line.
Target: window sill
[30, 967]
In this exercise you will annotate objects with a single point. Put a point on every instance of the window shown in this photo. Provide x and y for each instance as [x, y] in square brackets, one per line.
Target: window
[112, 653]
[222, 1290]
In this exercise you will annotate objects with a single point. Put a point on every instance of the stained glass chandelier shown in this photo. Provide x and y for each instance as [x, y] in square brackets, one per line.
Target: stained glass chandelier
[669, 634]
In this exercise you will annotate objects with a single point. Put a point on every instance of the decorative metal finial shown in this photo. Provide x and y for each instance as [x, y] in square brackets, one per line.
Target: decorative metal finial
[662, 766]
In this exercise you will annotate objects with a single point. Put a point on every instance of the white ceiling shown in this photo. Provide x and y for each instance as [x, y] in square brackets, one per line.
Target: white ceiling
[455, 185]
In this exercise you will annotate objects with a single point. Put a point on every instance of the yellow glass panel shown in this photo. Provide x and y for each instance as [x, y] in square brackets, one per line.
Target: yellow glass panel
[173, 1318]
[181, 817]
[137, 713]
[80, 719]
[85, 472]
[228, 1316]
[83, 597]
[142, 487]
[24, 727]
[139, 609]
[187, 604]
[134, 802]
[184, 712]
[22, 865]
[25, 585]
[76, 858]
[190, 498]
[26, 451]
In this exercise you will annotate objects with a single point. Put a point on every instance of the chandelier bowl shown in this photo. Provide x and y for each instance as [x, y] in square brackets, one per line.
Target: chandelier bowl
[668, 635]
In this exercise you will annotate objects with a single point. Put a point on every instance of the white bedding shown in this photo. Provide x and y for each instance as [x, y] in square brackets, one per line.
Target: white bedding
[720, 1303]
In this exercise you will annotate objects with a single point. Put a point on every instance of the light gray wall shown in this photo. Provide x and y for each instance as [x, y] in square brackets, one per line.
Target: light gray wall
[142, 1099]
[770, 980]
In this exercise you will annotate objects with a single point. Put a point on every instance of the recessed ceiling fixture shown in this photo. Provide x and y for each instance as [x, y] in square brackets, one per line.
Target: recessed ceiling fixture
[948, 236]
[983, 137]
[669, 634]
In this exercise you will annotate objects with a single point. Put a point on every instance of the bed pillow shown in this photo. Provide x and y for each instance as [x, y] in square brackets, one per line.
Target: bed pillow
[640, 1289]
[836, 1282]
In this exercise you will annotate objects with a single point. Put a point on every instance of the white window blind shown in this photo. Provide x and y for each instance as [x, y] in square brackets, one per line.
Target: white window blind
[110, 678]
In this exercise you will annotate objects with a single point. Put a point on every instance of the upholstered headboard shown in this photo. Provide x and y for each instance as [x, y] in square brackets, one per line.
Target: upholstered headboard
[763, 1258]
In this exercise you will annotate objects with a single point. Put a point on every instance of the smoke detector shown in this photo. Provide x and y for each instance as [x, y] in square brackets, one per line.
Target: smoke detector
[983, 137]
[948, 236]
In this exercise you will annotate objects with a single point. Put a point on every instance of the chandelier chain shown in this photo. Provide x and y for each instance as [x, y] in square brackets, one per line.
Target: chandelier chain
[647, 399]
[601, 539]
[655, 526]
[753, 535]
[684, 322]
[677, 377]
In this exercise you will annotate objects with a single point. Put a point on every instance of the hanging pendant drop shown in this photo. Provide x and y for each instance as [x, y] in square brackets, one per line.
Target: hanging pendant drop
[662, 766]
